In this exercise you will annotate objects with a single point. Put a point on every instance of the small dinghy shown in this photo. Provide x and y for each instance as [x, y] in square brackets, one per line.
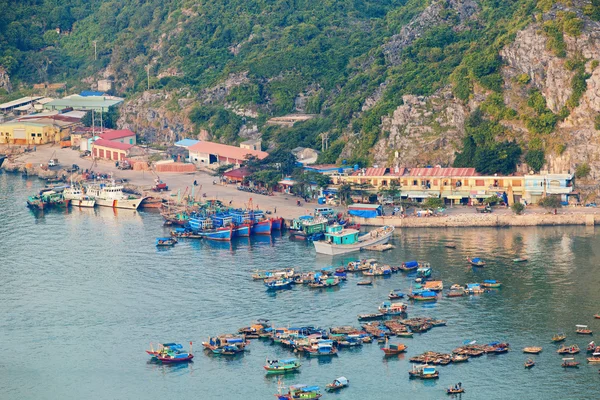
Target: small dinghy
[365, 283]
[166, 242]
[337, 384]
[520, 260]
[529, 363]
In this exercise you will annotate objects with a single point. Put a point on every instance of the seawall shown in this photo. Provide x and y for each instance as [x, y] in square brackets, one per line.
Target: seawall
[485, 220]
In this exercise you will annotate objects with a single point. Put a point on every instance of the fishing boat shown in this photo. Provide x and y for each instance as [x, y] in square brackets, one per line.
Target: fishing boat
[77, 198]
[476, 262]
[163, 348]
[47, 199]
[529, 363]
[423, 295]
[226, 345]
[172, 358]
[583, 330]
[573, 349]
[277, 223]
[166, 242]
[170, 353]
[456, 291]
[395, 294]
[241, 230]
[532, 350]
[434, 286]
[307, 226]
[184, 233]
[519, 260]
[341, 241]
[324, 283]
[337, 384]
[279, 283]
[459, 358]
[110, 194]
[455, 391]
[372, 316]
[152, 202]
[559, 337]
[322, 348]
[224, 234]
[282, 366]
[364, 283]
[389, 308]
[473, 288]
[409, 266]
[569, 363]
[424, 371]
[304, 392]
[594, 359]
[424, 272]
[262, 227]
[393, 349]
[488, 283]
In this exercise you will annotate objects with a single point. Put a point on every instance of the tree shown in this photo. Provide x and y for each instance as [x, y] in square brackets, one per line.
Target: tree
[550, 202]
[222, 169]
[252, 163]
[433, 203]
[268, 178]
[582, 170]
[518, 208]
[360, 188]
[282, 160]
[492, 200]
[345, 193]
[392, 191]
[535, 159]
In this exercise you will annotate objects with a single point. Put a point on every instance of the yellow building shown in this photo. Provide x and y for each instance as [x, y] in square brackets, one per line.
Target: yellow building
[454, 185]
[34, 132]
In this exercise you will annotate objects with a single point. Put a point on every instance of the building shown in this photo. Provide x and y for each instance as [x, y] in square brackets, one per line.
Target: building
[208, 153]
[23, 101]
[34, 132]
[237, 175]
[252, 144]
[121, 136]
[85, 103]
[186, 143]
[539, 186]
[325, 169]
[108, 150]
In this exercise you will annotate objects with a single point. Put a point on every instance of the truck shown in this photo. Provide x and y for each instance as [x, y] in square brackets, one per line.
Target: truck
[124, 165]
[53, 162]
[160, 186]
[484, 209]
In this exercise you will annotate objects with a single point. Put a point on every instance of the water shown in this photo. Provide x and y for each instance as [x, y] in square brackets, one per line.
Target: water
[84, 292]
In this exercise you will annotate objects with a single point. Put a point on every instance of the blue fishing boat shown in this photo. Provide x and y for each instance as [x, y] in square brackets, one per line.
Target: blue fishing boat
[263, 227]
[242, 230]
[424, 272]
[323, 348]
[476, 262]
[409, 266]
[279, 283]
[423, 295]
[166, 242]
[204, 227]
[395, 294]
[277, 223]
[490, 283]
[220, 234]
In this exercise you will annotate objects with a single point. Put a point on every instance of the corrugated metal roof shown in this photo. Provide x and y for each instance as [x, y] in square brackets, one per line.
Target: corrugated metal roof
[112, 145]
[370, 172]
[186, 142]
[224, 150]
[442, 172]
[364, 206]
[399, 172]
[19, 102]
[116, 134]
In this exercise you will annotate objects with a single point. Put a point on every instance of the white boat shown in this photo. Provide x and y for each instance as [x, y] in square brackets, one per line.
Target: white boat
[341, 241]
[78, 198]
[110, 194]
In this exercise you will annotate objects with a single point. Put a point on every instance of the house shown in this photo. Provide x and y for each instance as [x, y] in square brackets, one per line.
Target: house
[252, 144]
[208, 153]
[108, 150]
[77, 102]
[34, 132]
[186, 143]
[121, 136]
[538, 186]
[237, 175]
[23, 101]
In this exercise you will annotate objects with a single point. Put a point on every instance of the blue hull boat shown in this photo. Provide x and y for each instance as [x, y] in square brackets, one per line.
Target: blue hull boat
[220, 234]
[264, 227]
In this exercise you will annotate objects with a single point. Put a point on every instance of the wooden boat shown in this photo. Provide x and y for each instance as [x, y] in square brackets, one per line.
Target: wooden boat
[226, 345]
[423, 295]
[455, 391]
[393, 349]
[282, 366]
[573, 349]
[278, 283]
[569, 363]
[519, 260]
[594, 359]
[597, 316]
[458, 358]
[341, 241]
[456, 293]
[325, 283]
[476, 262]
[337, 384]
[488, 283]
[395, 294]
[163, 348]
[424, 371]
[304, 392]
[559, 337]
[372, 316]
[365, 283]
[170, 353]
[175, 358]
[529, 363]
[532, 350]
[583, 330]
[450, 245]
[323, 348]
[380, 247]
[474, 288]
[409, 266]
[389, 308]
[166, 242]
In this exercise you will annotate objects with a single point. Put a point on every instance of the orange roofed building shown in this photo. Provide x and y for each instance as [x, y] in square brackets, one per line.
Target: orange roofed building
[205, 154]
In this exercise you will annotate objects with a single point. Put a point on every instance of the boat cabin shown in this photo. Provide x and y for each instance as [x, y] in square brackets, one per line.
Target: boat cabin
[221, 220]
[336, 234]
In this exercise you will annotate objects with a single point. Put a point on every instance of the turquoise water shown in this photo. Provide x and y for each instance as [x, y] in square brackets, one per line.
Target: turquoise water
[84, 292]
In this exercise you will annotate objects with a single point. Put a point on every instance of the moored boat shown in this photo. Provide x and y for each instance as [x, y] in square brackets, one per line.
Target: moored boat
[456, 389]
[569, 363]
[583, 330]
[529, 363]
[278, 283]
[520, 259]
[364, 283]
[277, 223]
[300, 392]
[476, 262]
[110, 194]
[341, 241]
[47, 199]
[226, 345]
[372, 316]
[282, 366]
[393, 349]
[559, 337]
[395, 294]
[532, 350]
[423, 295]
[594, 359]
[77, 198]
[424, 372]
[337, 384]
[170, 353]
[166, 242]
[389, 308]
[409, 266]
[573, 349]
[489, 283]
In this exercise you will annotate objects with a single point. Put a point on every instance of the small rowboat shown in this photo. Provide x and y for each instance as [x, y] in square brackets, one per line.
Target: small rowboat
[337, 384]
[476, 262]
[282, 366]
[569, 363]
[450, 245]
[532, 350]
[455, 391]
[175, 358]
[594, 359]
[519, 260]
[559, 337]
[583, 330]
[395, 294]
[529, 363]
[165, 242]
[457, 358]
[573, 349]
[365, 283]
[488, 283]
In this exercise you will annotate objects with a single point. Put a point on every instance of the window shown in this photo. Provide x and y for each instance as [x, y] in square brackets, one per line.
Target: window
[39, 135]
[130, 141]
[415, 183]
[479, 182]
[33, 135]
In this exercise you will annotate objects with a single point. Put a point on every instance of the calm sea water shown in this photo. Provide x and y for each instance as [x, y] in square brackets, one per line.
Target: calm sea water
[83, 292]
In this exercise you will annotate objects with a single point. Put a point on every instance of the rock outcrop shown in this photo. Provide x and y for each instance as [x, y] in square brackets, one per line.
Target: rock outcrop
[5, 80]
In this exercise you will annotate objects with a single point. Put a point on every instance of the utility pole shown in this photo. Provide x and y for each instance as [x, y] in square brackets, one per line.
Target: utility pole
[324, 141]
[95, 52]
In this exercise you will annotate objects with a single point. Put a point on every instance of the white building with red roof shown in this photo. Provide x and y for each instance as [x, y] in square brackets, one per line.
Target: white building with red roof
[206, 154]
[104, 149]
[119, 135]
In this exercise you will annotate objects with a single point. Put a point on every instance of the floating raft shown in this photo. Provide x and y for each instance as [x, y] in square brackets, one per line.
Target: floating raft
[380, 247]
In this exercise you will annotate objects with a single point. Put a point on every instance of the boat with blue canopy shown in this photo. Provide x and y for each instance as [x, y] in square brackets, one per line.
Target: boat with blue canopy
[409, 266]
[473, 288]
[489, 283]
[322, 348]
[165, 242]
[278, 283]
[337, 384]
[424, 372]
[395, 294]
[300, 391]
[476, 262]
[423, 295]
[389, 308]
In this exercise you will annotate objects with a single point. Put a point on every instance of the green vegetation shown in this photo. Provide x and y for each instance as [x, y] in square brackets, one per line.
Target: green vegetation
[544, 120]
[433, 203]
[582, 170]
[550, 202]
[535, 159]
[597, 122]
[578, 81]
[565, 23]
[518, 208]
[221, 123]
[492, 200]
